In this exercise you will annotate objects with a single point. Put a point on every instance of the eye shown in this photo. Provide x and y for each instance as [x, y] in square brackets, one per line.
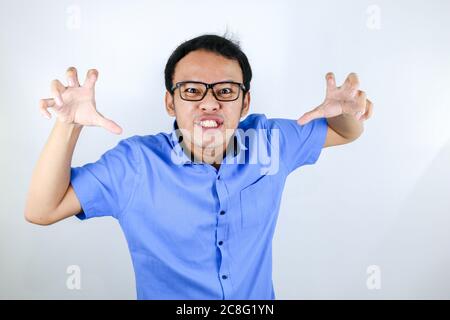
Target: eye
[191, 90]
[225, 91]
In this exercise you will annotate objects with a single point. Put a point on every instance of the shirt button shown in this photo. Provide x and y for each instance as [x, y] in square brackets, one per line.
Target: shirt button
[222, 213]
[220, 243]
[224, 277]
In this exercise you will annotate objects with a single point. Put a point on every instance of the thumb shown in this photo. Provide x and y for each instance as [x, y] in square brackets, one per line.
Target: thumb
[311, 115]
[331, 81]
[108, 124]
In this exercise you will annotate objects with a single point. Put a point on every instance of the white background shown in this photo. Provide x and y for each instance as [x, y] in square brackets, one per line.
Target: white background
[383, 200]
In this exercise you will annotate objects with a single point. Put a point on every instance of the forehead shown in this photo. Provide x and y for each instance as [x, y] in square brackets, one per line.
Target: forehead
[201, 65]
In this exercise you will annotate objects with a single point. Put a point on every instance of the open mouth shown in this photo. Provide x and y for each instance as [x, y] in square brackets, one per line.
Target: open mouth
[209, 123]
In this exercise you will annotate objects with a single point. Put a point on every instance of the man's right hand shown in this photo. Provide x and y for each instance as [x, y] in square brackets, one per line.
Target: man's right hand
[76, 104]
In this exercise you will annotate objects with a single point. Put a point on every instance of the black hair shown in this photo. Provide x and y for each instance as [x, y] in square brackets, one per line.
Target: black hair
[212, 43]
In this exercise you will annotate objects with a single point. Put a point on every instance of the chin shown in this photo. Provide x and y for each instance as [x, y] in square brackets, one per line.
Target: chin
[210, 145]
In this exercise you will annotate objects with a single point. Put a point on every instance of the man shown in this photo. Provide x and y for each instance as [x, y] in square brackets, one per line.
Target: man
[197, 210]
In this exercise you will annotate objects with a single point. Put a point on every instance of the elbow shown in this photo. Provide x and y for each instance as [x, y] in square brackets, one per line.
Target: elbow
[356, 136]
[41, 220]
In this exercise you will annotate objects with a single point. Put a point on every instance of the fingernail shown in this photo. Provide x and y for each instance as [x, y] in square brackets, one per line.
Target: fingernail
[71, 82]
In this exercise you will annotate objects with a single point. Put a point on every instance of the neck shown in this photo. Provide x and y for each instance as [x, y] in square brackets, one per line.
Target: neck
[210, 155]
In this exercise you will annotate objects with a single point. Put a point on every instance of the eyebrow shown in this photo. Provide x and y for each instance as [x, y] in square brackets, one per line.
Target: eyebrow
[226, 80]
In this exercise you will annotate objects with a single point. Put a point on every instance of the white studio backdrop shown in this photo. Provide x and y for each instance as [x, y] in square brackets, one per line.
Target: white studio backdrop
[369, 220]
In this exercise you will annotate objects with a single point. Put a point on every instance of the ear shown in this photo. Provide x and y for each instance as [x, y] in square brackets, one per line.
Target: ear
[170, 105]
[245, 105]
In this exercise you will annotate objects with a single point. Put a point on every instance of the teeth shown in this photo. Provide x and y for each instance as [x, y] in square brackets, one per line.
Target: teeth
[209, 123]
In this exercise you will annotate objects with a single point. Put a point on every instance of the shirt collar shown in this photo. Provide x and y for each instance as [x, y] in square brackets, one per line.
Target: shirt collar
[180, 157]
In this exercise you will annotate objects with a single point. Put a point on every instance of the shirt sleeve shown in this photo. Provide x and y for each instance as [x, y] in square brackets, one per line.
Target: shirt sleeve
[299, 144]
[105, 186]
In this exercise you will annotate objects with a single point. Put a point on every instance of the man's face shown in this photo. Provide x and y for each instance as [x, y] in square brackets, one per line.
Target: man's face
[197, 119]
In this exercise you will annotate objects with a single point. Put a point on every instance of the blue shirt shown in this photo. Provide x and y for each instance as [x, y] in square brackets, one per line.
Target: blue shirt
[195, 232]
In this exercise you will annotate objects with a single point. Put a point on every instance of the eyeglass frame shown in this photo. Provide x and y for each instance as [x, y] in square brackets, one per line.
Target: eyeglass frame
[209, 86]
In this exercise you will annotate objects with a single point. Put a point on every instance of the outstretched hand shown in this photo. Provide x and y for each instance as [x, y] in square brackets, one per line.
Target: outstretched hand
[347, 99]
[76, 103]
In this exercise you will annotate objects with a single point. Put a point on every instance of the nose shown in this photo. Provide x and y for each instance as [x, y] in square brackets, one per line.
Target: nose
[209, 102]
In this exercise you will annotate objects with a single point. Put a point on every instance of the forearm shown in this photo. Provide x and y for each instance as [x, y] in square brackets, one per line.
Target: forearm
[347, 126]
[51, 176]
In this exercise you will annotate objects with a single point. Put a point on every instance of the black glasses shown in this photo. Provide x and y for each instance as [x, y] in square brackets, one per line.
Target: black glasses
[196, 91]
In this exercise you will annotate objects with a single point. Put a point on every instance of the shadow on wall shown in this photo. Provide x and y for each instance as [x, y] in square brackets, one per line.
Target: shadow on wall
[414, 257]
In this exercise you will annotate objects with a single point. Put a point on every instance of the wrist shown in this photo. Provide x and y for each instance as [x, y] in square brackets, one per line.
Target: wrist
[67, 129]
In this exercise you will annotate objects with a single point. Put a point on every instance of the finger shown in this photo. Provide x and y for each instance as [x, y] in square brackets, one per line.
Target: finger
[331, 81]
[369, 111]
[72, 77]
[361, 101]
[108, 124]
[57, 89]
[91, 78]
[351, 83]
[361, 97]
[311, 115]
[44, 104]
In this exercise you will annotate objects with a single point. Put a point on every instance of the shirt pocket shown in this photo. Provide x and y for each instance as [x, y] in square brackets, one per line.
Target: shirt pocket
[257, 203]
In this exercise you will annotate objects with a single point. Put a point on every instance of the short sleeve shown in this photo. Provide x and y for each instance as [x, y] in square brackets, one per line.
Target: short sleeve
[299, 144]
[105, 186]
